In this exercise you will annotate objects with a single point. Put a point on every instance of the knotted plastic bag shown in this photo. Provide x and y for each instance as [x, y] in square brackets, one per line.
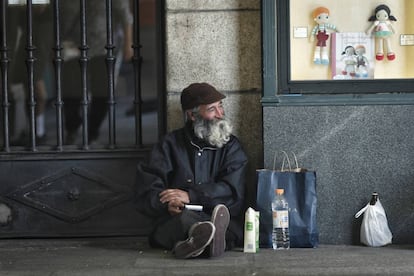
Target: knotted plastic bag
[374, 228]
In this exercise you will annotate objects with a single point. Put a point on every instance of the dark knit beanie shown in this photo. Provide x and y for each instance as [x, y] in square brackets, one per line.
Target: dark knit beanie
[199, 93]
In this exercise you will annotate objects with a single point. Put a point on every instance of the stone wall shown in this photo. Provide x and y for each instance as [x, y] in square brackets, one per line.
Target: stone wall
[218, 42]
[355, 150]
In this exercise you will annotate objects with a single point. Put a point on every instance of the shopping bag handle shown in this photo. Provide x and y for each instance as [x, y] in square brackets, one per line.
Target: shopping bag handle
[286, 156]
[297, 169]
[296, 160]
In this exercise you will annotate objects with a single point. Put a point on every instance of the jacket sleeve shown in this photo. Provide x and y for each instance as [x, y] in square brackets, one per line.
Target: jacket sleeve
[151, 179]
[228, 185]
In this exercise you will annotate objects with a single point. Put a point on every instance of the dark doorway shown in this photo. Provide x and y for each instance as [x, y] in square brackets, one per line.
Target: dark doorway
[78, 113]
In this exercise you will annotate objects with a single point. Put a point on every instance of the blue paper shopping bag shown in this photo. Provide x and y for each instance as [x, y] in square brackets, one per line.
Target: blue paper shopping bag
[300, 192]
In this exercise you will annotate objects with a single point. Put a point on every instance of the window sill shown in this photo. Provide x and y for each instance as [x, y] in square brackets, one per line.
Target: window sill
[339, 99]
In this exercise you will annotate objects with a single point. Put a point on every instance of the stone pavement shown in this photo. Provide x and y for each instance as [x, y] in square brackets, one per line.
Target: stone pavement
[133, 256]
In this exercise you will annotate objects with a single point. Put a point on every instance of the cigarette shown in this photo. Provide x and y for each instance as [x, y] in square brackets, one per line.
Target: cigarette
[198, 208]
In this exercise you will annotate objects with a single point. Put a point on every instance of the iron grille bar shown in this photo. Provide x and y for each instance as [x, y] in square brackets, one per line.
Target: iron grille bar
[137, 76]
[84, 66]
[110, 66]
[4, 63]
[30, 60]
[57, 62]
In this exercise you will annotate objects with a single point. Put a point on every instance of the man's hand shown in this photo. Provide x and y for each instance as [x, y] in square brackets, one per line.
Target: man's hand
[174, 195]
[175, 207]
[176, 200]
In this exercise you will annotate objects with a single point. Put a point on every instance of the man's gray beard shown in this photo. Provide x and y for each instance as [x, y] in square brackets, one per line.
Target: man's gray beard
[215, 132]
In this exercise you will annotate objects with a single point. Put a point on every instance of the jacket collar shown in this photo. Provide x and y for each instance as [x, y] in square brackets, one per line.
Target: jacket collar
[200, 144]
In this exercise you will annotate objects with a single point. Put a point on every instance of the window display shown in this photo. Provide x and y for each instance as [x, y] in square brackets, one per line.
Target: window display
[374, 23]
[338, 52]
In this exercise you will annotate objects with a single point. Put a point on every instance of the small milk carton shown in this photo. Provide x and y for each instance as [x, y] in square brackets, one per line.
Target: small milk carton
[251, 231]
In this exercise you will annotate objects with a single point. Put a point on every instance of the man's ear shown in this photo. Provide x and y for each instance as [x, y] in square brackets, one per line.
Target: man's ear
[190, 114]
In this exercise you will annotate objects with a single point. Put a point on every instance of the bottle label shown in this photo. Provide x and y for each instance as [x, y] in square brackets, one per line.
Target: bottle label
[249, 226]
[281, 219]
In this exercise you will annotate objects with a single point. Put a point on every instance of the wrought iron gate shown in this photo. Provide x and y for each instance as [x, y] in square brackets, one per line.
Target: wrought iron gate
[79, 185]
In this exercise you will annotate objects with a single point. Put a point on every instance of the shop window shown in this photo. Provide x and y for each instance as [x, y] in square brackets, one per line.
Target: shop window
[299, 68]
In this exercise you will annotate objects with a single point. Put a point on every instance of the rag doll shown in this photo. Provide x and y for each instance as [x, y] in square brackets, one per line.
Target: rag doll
[362, 62]
[382, 30]
[321, 32]
[349, 59]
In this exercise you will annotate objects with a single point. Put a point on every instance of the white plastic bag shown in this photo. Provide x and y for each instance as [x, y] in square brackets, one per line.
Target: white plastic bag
[374, 227]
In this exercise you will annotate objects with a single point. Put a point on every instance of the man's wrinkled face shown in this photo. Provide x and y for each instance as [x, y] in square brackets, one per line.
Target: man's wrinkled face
[212, 111]
[211, 125]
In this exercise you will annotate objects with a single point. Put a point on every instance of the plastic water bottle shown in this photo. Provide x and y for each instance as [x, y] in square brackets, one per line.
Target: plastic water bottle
[280, 211]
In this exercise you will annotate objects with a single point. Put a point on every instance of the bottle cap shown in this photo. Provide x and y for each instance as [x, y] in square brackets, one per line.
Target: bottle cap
[280, 191]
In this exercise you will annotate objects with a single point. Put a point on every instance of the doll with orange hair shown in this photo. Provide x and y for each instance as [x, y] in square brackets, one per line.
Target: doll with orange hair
[321, 33]
[362, 62]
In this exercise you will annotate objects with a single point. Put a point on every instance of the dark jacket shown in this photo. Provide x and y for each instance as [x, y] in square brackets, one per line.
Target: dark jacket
[210, 175]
